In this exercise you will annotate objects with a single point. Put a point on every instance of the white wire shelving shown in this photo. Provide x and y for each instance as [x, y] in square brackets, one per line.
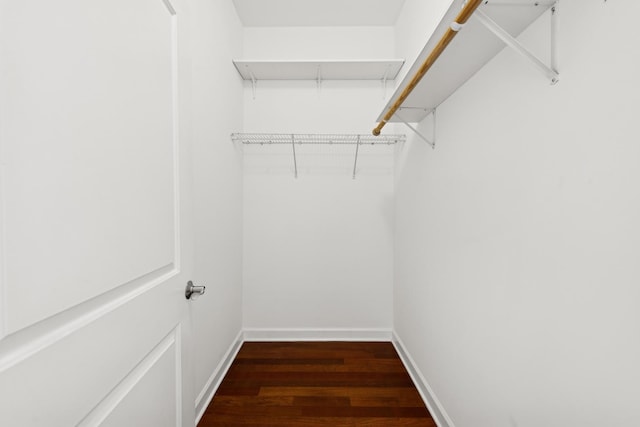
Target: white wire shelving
[315, 138]
[294, 140]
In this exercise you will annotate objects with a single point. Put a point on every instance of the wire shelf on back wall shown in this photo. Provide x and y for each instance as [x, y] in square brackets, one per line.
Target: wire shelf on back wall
[294, 144]
[315, 138]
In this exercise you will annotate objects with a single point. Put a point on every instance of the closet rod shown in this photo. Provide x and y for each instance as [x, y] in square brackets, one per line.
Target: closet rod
[464, 15]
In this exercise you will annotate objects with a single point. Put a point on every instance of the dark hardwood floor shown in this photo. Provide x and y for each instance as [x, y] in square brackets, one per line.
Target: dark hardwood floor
[317, 384]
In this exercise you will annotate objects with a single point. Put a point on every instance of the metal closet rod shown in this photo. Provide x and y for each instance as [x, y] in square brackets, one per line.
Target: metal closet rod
[462, 18]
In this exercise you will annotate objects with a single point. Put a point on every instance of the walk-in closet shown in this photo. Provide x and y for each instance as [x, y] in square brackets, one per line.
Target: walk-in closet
[446, 193]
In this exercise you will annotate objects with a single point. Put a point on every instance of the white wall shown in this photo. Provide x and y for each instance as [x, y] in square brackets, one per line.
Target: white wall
[517, 239]
[316, 43]
[317, 249]
[414, 27]
[217, 111]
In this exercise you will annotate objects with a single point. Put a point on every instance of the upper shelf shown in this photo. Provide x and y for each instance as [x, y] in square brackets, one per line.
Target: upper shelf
[473, 47]
[319, 70]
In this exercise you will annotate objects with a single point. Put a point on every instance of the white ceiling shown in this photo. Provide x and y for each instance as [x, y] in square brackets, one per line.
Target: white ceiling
[318, 13]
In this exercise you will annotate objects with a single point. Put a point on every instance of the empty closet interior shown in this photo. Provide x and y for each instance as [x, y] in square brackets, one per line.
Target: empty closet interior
[490, 231]
[458, 178]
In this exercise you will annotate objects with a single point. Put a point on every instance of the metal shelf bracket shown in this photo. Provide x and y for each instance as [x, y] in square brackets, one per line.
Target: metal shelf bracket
[254, 81]
[432, 141]
[355, 162]
[385, 77]
[337, 140]
[295, 161]
[551, 72]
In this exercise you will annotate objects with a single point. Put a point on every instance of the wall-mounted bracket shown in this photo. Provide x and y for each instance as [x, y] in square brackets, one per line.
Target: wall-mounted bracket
[295, 161]
[385, 77]
[355, 162]
[432, 141]
[254, 83]
[550, 72]
[554, 37]
[297, 140]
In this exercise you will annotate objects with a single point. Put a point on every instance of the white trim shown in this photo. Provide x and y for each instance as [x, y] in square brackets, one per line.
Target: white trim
[3, 254]
[28, 345]
[313, 334]
[210, 388]
[179, 369]
[113, 399]
[436, 409]
[175, 110]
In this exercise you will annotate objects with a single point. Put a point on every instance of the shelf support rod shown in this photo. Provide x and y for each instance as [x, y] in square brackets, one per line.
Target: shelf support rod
[356, 160]
[463, 16]
[254, 83]
[417, 132]
[384, 81]
[554, 37]
[511, 41]
[295, 162]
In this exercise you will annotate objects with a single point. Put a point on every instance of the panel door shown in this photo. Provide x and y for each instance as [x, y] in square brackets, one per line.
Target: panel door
[95, 233]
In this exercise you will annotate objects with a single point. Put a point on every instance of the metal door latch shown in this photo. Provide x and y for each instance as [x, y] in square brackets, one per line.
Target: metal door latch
[193, 290]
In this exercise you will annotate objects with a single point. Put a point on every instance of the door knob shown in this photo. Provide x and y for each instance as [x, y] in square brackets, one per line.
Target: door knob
[193, 290]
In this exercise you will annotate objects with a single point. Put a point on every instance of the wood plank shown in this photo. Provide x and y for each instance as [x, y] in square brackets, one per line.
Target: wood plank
[210, 420]
[306, 365]
[235, 400]
[319, 379]
[340, 391]
[317, 384]
[341, 411]
[321, 401]
[410, 400]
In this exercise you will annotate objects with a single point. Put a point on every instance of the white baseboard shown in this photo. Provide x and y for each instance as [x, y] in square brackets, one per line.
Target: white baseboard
[295, 334]
[438, 413]
[210, 388]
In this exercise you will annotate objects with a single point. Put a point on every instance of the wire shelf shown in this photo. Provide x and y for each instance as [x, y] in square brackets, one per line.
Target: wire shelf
[315, 138]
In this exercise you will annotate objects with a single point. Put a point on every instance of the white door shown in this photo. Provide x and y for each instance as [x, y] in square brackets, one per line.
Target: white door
[94, 221]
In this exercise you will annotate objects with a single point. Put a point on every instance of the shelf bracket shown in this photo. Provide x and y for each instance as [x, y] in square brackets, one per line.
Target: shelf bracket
[554, 37]
[384, 81]
[254, 83]
[550, 72]
[295, 162]
[355, 162]
[431, 142]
